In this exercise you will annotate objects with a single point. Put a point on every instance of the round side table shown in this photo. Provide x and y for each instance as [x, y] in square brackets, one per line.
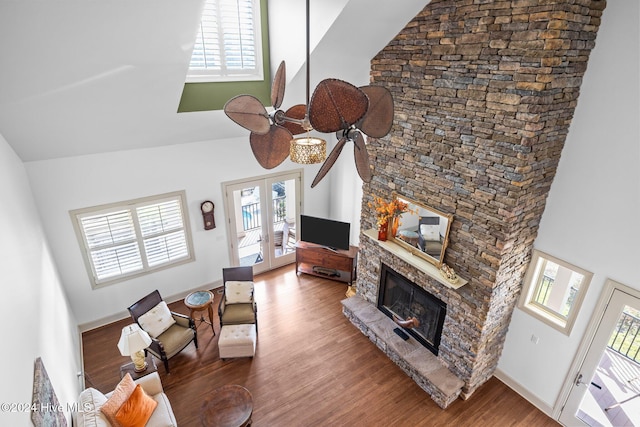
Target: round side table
[200, 301]
[228, 406]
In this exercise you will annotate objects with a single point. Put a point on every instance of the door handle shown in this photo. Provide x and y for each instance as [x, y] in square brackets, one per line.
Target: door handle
[578, 380]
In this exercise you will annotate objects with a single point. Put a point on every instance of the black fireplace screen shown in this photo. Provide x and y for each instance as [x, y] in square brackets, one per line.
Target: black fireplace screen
[400, 298]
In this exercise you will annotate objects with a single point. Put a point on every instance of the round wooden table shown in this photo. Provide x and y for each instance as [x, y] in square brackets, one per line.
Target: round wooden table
[228, 406]
[200, 301]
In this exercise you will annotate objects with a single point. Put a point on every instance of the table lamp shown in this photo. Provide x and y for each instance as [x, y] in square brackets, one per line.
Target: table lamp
[132, 341]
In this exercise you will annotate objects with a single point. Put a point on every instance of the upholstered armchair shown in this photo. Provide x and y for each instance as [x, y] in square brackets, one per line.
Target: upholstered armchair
[429, 238]
[170, 332]
[237, 305]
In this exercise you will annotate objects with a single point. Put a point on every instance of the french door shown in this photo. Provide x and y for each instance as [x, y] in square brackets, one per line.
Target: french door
[261, 217]
[606, 383]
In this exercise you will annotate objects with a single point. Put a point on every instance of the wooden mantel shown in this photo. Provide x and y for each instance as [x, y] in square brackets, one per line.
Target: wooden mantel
[419, 263]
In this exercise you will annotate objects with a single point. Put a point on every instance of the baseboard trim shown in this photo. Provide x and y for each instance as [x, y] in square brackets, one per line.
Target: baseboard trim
[84, 327]
[522, 391]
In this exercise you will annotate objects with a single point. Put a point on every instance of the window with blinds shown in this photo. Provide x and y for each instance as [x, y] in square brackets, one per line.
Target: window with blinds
[228, 43]
[127, 239]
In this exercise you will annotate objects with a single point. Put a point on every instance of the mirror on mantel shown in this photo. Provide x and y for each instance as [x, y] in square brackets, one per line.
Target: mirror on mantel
[424, 231]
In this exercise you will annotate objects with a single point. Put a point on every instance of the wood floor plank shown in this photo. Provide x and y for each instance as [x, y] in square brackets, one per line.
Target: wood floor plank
[312, 368]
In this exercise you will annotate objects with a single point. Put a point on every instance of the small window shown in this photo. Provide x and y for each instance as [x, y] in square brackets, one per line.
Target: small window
[553, 291]
[127, 239]
[228, 43]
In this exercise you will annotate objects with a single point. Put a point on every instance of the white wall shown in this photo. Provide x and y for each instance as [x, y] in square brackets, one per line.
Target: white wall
[346, 191]
[199, 168]
[37, 317]
[591, 218]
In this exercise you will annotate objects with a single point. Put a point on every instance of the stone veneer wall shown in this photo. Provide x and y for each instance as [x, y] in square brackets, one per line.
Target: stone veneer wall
[484, 92]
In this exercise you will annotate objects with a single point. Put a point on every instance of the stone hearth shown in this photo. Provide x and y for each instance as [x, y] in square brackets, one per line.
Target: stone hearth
[412, 357]
[484, 94]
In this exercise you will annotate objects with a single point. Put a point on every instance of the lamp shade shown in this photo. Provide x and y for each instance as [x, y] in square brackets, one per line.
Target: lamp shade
[132, 340]
[308, 150]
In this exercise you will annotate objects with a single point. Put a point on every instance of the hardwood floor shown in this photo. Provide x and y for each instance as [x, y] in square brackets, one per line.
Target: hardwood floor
[312, 368]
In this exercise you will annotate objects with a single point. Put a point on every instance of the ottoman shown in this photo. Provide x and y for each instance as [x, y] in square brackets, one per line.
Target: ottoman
[237, 341]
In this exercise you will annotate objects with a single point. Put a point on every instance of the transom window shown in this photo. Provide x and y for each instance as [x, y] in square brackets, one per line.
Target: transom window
[228, 44]
[553, 291]
[135, 237]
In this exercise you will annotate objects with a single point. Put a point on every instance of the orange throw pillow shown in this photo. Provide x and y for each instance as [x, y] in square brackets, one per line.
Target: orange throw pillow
[118, 397]
[137, 410]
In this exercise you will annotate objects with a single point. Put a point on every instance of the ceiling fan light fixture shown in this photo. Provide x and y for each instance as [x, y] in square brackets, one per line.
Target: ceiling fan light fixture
[308, 150]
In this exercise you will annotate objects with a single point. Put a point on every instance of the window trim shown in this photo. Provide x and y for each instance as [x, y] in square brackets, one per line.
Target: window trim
[541, 312]
[213, 95]
[205, 75]
[77, 215]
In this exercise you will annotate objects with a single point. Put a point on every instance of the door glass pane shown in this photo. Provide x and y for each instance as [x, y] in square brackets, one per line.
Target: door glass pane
[284, 216]
[613, 397]
[249, 225]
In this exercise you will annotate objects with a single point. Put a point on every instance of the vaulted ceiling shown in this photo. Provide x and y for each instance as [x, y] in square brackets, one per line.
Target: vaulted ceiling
[83, 77]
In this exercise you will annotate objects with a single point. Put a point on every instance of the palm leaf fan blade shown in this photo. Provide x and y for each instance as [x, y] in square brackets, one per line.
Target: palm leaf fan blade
[379, 118]
[335, 105]
[296, 112]
[328, 163]
[248, 112]
[278, 85]
[272, 148]
[361, 157]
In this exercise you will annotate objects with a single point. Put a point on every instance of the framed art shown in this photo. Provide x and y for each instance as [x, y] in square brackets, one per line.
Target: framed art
[46, 410]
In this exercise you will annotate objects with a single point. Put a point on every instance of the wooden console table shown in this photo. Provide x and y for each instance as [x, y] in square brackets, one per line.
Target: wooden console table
[321, 261]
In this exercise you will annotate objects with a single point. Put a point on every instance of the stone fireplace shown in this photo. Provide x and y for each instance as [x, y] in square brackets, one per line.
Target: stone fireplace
[484, 94]
[399, 298]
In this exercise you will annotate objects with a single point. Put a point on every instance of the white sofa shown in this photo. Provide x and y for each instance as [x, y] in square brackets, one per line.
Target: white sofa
[91, 400]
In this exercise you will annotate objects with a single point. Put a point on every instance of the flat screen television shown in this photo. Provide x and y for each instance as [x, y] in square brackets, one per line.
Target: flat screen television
[325, 232]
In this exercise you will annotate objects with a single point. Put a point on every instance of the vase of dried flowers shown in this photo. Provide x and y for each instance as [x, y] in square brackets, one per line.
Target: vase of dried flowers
[388, 216]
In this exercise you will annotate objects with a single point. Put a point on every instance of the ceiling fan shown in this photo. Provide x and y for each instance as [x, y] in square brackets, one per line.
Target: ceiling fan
[336, 106]
[376, 121]
[271, 133]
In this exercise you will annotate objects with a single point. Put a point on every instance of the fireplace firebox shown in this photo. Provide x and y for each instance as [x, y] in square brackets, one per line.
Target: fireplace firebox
[401, 300]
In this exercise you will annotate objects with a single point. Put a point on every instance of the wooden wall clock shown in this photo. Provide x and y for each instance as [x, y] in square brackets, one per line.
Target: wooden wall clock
[207, 214]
